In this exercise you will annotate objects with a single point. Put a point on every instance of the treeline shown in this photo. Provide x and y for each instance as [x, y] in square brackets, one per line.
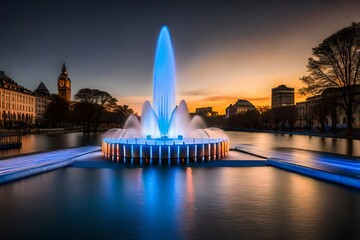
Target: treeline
[263, 118]
[278, 119]
[91, 110]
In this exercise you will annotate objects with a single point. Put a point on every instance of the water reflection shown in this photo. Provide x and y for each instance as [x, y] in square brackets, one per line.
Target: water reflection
[178, 203]
[44, 142]
[262, 141]
[268, 141]
[349, 148]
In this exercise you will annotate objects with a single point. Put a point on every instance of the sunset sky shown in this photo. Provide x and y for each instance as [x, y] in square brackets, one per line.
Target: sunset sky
[224, 50]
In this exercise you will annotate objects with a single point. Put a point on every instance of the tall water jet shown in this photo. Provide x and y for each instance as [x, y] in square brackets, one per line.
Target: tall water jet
[164, 81]
[165, 131]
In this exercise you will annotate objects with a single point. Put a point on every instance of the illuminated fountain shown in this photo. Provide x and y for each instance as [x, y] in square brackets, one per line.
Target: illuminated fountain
[165, 133]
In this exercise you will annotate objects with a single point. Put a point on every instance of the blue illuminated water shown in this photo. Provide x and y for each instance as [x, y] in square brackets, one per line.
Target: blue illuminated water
[177, 203]
[164, 101]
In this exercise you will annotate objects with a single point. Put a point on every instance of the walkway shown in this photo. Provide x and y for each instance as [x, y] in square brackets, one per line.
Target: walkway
[23, 166]
[336, 168]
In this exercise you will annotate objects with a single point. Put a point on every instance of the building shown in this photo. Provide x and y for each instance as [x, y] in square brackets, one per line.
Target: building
[42, 96]
[206, 111]
[64, 84]
[326, 109]
[303, 114]
[241, 106]
[20, 107]
[17, 104]
[282, 96]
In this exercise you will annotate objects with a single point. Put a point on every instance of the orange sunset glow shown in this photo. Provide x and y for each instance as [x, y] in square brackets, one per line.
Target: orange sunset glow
[248, 67]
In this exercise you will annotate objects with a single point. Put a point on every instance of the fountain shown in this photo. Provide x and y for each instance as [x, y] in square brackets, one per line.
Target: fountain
[166, 133]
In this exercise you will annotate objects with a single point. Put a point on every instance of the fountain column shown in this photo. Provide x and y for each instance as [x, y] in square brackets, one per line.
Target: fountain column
[164, 100]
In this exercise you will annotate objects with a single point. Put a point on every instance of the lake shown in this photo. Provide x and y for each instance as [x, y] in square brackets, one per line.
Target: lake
[262, 141]
[179, 202]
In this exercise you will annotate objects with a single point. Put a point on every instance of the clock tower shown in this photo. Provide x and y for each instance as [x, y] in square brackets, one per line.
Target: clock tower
[64, 84]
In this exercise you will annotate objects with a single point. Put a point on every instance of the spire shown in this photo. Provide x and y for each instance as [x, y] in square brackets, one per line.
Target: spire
[64, 73]
[63, 69]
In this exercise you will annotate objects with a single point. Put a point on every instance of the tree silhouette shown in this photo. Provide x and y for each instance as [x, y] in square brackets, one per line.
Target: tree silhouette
[122, 113]
[57, 111]
[91, 105]
[336, 64]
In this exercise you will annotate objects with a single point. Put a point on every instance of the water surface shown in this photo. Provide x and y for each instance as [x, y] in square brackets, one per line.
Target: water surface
[270, 141]
[262, 142]
[178, 203]
[44, 142]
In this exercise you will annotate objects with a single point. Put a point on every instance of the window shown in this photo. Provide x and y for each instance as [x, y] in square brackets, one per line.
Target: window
[344, 120]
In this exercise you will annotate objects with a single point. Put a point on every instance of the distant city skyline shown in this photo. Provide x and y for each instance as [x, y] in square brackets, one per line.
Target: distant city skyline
[223, 51]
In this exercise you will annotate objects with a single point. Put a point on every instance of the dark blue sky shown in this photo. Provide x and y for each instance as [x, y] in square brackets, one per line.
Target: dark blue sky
[110, 45]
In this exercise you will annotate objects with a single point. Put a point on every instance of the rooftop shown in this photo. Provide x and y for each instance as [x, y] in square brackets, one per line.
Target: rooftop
[42, 90]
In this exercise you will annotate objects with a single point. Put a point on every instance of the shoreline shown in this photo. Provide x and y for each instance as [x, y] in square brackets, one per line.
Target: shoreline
[310, 134]
[340, 135]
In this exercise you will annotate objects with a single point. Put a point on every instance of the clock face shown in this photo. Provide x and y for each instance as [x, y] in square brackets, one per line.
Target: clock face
[67, 84]
[61, 83]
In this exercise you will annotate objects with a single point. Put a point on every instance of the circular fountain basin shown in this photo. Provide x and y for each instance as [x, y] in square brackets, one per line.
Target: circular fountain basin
[164, 151]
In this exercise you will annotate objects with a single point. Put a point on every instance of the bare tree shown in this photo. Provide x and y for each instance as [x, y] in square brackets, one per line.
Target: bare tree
[319, 112]
[336, 64]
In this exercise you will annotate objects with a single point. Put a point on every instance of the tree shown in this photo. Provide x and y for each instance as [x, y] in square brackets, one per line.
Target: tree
[336, 64]
[284, 117]
[246, 120]
[264, 113]
[91, 105]
[331, 99]
[57, 110]
[263, 109]
[122, 113]
[319, 111]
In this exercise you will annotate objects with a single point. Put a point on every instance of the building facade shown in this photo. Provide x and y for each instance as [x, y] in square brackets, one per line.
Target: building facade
[282, 96]
[326, 110]
[17, 104]
[206, 111]
[20, 107]
[64, 84]
[42, 99]
[241, 106]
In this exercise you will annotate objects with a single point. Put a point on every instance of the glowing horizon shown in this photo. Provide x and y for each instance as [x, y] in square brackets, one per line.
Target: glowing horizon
[218, 103]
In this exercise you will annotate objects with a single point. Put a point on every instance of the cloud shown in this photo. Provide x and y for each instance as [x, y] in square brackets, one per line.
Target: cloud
[226, 98]
[193, 92]
[220, 98]
[258, 99]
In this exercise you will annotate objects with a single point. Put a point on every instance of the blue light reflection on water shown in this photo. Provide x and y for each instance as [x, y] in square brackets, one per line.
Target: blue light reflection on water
[178, 203]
